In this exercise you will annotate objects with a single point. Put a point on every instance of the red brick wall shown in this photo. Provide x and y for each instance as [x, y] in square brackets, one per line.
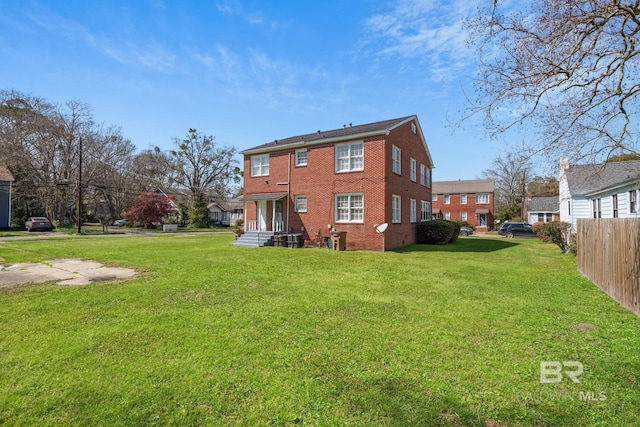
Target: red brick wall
[455, 208]
[320, 183]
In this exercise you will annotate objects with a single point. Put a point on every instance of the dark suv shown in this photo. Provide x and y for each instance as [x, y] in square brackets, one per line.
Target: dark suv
[516, 229]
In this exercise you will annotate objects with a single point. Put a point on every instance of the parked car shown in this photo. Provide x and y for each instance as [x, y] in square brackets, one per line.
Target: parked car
[121, 222]
[517, 229]
[38, 223]
[466, 231]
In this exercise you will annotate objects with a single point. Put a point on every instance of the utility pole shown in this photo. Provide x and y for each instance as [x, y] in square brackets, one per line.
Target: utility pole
[80, 187]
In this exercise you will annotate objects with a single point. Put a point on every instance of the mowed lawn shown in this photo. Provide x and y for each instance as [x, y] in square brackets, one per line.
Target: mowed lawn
[211, 334]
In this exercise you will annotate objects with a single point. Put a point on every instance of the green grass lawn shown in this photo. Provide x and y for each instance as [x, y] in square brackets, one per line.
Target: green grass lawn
[211, 334]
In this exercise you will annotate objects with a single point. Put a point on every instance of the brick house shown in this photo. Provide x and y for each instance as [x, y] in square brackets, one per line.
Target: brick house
[465, 200]
[349, 179]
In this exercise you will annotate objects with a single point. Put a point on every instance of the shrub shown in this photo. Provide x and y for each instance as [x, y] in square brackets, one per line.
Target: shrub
[555, 232]
[436, 232]
[456, 232]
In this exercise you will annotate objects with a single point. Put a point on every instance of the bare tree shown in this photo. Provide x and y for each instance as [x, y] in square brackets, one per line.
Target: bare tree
[509, 174]
[569, 68]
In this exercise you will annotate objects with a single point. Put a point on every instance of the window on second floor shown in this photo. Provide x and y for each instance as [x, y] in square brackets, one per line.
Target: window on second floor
[413, 171]
[260, 165]
[434, 197]
[396, 158]
[446, 199]
[349, 157]
[463, 199]
[482, 198]
[301, 157]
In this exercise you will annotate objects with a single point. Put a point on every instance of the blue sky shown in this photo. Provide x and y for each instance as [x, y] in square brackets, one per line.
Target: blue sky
[249, 72]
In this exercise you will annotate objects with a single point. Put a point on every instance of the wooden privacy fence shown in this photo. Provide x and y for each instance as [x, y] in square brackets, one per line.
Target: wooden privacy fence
[609, 256]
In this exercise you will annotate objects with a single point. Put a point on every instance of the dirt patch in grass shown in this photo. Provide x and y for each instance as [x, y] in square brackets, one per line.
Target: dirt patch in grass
[68, 272]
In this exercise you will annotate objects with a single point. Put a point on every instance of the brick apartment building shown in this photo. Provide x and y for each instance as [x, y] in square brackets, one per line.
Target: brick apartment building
[465, 200]
[349, 179]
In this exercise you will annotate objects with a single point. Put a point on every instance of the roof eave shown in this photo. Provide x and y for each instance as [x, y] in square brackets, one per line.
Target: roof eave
[334, 139]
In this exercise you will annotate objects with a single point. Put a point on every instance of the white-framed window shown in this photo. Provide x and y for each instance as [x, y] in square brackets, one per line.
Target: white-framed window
[349, 157]
[425, 210]
[396, 214]
[413, 127]
[300, 203]
[463, 199]
[482, 198]
[396, 159]
[260, 165]
[446, 199]
[633, 201]
[447, 215]
[463, 216]
[423, 175]
[413, 169]
[597, 208]
[412, 210]
[349, 207]
[434, 197]
[428, 178]
[614, 202]
[301, 157]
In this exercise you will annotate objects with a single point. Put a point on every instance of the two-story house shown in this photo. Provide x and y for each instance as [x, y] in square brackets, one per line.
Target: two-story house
[465, 200]
[350, 179]
[609, 190]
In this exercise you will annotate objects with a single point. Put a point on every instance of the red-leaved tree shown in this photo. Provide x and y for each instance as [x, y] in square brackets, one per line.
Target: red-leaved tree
[149, 209]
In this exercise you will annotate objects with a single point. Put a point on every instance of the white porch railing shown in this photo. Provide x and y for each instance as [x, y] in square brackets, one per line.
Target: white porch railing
[276, 226]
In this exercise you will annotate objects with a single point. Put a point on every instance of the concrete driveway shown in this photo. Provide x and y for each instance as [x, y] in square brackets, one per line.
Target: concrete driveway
[69, 272]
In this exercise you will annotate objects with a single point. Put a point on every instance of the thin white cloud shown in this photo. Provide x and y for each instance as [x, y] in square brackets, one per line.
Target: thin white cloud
[429, 31]
[147, 53]
[234, 8]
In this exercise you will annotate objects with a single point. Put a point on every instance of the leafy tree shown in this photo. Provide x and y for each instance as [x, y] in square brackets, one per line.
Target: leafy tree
[568, 68]
[199, 165]
[508, 172]
[547, 186]
[623, 158]
[149, 209]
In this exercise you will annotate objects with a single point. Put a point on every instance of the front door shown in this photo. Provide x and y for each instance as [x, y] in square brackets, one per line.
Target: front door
[262, 215]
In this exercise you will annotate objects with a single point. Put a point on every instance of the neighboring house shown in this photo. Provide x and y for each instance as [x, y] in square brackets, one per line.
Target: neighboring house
[609, 190]
[349, 179]
[542, 209]
[5, 197]
[465, 200]
[226, 212]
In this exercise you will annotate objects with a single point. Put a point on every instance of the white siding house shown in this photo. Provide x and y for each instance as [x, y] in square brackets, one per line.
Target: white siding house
[609, 190]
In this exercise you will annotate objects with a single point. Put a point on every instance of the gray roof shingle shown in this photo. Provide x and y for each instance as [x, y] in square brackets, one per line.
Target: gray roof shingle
[586, 179]
[344, 132]
[543, 204]
[463, 186]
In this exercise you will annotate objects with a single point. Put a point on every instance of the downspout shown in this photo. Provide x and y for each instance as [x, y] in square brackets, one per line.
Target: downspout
[288, 190]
